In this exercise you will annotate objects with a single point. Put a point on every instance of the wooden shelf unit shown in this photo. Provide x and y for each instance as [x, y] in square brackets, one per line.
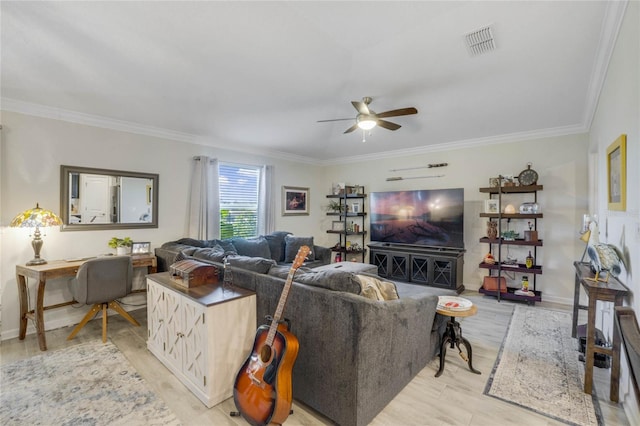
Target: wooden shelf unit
[347, 217]
[500, 266]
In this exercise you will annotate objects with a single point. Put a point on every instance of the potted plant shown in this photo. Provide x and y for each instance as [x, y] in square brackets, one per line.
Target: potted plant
[336, 206]
[122, 245]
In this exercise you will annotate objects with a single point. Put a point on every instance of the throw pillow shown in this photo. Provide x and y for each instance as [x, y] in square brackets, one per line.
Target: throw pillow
[252, 247]
[253, 264]
[293, 244]
[212, 254]
[377, 289]
[276, 244]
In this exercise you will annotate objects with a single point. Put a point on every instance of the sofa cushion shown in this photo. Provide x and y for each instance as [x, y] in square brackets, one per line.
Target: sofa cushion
[377, 289]
[253, 247]
[293, 244]
[212, 254]
[331, 280]
[227, 245]
[276, 244]
[253, 264]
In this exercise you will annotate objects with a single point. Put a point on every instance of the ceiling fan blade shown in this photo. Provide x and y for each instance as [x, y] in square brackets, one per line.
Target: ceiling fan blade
[397, 112]
[361, 107]
[335, 119]
[351, 129]
[387, 125]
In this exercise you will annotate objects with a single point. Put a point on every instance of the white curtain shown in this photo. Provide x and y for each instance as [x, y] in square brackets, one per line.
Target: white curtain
[204, 202]
[266, 204]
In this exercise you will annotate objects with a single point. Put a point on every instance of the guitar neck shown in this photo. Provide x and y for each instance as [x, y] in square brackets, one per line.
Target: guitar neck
[280, 309]
[300, 257]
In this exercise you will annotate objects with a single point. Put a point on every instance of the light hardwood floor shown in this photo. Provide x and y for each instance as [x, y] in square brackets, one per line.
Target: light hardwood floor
[455, 398]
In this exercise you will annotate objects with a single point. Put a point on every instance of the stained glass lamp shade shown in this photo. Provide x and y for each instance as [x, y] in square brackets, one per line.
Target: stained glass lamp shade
[35, 218]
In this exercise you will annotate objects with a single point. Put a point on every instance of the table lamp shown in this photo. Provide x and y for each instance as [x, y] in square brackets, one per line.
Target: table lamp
[36, 218]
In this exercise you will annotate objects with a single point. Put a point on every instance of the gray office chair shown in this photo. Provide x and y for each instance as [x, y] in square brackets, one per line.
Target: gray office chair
[100, 282]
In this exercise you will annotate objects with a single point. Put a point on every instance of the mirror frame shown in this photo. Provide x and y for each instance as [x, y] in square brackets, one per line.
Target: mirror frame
[64, 199]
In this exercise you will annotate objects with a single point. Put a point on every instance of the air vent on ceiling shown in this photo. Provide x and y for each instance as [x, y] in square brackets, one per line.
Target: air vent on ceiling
[480, 41]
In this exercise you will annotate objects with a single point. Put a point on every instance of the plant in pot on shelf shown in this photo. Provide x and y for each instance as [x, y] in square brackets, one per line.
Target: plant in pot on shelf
[336, 207]
[122, 245]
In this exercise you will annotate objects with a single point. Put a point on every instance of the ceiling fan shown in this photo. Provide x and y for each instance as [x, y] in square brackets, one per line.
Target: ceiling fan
[367, 119]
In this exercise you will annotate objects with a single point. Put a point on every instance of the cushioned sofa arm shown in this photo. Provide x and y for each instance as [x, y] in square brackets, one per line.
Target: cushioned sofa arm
[323, 254]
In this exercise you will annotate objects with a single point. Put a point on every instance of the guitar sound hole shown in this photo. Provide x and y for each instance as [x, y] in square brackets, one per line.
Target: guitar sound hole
[265, 354]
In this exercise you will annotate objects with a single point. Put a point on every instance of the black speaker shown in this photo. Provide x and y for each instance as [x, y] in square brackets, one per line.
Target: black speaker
[600, 360]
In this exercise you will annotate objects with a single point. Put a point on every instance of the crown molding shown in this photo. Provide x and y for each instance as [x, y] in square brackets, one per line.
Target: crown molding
[611, 24]
[467, 143]
[44, 111]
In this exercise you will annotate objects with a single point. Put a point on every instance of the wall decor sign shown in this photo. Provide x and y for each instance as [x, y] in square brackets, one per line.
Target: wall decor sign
[295, 201]
[617, 174]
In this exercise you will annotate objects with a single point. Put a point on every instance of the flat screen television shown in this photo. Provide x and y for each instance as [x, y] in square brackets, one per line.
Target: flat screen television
[427, 217]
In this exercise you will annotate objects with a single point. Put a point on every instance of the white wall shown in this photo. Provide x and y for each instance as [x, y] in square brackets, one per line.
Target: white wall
[561, 163]
[34, 148]
[619, 112]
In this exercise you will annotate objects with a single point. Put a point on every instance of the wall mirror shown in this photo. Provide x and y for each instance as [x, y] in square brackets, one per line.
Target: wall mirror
[92, 199]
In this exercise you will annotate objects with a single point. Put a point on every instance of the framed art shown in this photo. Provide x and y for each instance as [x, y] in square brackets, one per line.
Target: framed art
[295, 201]
[337, 225]
[617, 174]
[355, 208]
[491, 206]
[141, 248]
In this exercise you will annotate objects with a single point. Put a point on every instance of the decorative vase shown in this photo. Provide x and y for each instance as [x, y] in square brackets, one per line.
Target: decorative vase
[492, 230]
[123, 251]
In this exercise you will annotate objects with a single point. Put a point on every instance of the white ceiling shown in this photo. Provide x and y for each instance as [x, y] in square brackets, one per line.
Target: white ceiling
[258, 75]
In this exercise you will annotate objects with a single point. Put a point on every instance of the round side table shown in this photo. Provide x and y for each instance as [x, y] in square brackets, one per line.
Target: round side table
[453, 335]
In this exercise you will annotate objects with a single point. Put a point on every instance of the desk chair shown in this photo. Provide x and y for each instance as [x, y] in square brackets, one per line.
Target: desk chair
[100, 282]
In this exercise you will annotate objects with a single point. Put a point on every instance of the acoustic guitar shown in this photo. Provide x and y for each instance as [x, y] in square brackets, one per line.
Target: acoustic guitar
[262, 390]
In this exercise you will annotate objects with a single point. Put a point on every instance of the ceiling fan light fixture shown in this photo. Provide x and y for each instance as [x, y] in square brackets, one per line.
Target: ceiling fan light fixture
[366, 122]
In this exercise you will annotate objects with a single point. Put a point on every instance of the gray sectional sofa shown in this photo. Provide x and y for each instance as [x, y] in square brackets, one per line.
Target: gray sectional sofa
[280, 246]
[356, 354]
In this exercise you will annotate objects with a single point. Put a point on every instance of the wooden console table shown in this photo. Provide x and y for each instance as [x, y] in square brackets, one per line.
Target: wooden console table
[52, 270]
[611, 291]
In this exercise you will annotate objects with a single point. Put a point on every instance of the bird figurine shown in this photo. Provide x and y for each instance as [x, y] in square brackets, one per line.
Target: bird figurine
[603, 257]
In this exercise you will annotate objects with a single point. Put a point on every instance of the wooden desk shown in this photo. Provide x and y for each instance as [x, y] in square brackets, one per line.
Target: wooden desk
[52, 270]
[611, 291]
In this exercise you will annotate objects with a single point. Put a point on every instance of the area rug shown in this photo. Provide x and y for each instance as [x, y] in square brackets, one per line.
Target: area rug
[538, 368]
[89, 384]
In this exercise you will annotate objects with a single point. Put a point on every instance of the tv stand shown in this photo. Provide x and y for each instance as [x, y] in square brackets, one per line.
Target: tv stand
[431, 266]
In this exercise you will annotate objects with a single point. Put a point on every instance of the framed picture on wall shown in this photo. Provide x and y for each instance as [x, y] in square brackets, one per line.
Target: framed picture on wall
[617, 174]
[295, 201]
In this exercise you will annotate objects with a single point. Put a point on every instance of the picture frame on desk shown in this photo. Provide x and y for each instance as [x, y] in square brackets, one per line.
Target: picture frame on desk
[141, 248]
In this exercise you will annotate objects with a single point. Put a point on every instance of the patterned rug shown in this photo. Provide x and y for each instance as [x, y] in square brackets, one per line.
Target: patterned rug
[89, 384]
[538, 368]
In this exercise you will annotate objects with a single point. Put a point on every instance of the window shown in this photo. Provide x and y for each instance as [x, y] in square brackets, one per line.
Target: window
[239, 185]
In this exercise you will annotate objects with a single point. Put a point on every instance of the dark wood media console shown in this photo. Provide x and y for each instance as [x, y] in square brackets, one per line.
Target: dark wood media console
[430, 266]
